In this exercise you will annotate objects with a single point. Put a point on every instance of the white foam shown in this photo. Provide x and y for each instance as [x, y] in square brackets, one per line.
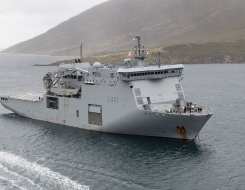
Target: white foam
[16, 180]
[22, 173]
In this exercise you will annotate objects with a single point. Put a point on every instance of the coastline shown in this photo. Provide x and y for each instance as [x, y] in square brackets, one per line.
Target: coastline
[52, 64]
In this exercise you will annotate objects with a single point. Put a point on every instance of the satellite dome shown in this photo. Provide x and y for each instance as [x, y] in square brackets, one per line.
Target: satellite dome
[127, 61]
[97, 65]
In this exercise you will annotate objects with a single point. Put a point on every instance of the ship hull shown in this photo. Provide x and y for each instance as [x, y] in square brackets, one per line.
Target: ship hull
[119, 119]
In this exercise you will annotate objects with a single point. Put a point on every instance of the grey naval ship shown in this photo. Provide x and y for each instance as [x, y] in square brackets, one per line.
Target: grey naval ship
[135, 100]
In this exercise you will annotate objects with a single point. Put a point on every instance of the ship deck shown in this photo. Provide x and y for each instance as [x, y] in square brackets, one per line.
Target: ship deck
[36, 96]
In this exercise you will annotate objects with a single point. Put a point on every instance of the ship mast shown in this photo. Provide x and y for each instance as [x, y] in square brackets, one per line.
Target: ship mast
[140, 53]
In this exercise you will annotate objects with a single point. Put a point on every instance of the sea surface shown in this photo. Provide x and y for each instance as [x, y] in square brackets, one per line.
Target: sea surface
[40, 155]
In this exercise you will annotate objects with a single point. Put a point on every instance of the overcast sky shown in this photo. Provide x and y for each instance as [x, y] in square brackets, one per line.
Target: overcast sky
[21, 20]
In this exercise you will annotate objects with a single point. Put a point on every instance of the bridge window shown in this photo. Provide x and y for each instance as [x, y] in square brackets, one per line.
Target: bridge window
[159, 72]
[173, 71]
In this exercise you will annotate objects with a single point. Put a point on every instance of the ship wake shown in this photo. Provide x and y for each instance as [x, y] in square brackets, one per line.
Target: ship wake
[18, 173]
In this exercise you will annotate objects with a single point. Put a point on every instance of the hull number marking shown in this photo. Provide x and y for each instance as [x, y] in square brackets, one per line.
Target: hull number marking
[112, 99]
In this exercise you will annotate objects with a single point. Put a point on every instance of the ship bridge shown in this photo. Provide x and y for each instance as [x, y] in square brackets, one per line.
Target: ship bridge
[151, 72]
[145, 72]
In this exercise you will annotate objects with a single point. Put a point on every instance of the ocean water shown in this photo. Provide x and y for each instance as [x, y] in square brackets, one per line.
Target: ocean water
[41, 155]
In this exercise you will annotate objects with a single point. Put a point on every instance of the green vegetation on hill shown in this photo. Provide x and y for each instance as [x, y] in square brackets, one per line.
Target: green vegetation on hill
[213, 52]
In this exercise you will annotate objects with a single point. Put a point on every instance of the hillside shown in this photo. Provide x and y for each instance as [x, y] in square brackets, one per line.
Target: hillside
[110, 26]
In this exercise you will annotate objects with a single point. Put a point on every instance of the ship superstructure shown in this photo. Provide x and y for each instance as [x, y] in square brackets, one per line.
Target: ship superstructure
[136, 100]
